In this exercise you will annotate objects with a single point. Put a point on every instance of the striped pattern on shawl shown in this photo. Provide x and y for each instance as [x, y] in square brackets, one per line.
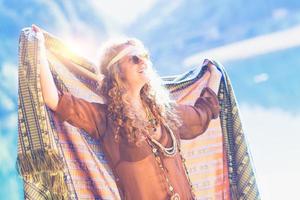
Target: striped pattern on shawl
[57, 160]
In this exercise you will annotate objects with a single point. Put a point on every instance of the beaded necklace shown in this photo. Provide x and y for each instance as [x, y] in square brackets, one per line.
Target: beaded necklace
[169, 152]
[171, 191]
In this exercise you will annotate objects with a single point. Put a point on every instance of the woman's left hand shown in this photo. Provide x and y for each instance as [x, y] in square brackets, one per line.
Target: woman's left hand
[215, 75]
[211, 67]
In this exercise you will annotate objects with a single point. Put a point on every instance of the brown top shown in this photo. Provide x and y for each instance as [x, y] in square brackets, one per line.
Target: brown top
[135, 168]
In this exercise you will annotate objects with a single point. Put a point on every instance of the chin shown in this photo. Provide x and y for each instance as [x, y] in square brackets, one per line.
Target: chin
[144, 83]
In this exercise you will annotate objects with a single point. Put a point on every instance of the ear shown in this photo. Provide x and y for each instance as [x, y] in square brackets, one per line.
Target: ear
[119, 69]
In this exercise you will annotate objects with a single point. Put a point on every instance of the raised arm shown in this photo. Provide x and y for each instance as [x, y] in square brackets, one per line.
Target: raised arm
[49, 90]
[78, 112]
[197, 118]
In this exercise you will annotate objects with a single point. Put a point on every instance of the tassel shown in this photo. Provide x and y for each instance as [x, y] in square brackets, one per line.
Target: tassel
[44, 167]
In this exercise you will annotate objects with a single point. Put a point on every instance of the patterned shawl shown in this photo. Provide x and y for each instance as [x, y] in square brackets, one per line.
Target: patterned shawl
[57, 160]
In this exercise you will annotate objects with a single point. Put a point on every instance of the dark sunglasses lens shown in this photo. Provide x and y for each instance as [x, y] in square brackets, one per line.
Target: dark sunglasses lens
[135, 59]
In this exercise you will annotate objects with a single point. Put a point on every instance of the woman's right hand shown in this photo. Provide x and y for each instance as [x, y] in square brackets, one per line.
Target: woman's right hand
[39, 34]
[35, 28]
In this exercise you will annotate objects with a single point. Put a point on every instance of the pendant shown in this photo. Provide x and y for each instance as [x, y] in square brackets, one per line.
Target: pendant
[175, 197]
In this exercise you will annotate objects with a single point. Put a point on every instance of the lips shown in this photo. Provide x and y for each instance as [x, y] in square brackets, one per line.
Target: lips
[142, 70]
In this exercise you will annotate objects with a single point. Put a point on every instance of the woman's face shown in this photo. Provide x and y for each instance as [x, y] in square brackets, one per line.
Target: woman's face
[135, 67]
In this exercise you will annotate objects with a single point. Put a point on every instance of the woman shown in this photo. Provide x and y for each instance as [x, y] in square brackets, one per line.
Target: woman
[139, 126]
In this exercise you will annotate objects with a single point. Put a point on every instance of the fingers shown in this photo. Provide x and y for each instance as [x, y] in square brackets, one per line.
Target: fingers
[38, 32]
[211, 67]
[35, 28]
[208, 62]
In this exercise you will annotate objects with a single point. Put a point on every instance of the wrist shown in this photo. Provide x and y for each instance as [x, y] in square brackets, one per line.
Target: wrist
[42, 48]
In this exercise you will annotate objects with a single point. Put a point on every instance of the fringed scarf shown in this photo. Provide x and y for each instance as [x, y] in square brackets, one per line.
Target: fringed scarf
[59, 161]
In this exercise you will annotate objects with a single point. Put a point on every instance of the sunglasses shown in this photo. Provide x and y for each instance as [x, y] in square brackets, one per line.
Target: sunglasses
[137, 59]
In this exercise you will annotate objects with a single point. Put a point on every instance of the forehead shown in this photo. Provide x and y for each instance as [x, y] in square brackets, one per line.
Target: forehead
[128, 51]
[134, 50]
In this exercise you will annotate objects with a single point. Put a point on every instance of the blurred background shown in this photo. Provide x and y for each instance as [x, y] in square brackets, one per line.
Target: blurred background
[258, 42]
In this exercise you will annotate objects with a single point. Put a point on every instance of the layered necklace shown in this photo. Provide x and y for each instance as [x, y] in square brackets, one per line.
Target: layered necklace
[167, 151]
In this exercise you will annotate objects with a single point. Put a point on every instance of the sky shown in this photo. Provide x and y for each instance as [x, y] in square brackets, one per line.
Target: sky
[256, 41]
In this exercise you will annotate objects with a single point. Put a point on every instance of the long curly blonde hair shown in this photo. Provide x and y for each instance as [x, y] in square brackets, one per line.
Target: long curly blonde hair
[126, 123]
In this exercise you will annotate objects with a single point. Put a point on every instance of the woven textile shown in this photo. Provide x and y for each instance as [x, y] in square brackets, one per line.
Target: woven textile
[57, 160]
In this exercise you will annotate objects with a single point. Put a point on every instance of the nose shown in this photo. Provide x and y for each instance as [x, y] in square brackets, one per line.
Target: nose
[143, 60]
[142, 63]
[146, 63]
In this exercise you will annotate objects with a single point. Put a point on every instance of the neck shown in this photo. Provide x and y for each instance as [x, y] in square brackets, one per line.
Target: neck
[134, 97]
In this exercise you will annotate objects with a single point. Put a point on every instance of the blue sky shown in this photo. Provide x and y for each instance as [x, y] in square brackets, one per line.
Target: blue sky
[255, 40]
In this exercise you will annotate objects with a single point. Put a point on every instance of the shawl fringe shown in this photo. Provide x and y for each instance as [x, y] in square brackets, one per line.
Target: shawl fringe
[44, 167]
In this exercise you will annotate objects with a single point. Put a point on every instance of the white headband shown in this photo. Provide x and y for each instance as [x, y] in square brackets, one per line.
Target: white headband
[121, 54]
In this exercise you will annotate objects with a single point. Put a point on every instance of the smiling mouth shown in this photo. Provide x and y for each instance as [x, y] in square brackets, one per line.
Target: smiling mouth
[141, 71]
